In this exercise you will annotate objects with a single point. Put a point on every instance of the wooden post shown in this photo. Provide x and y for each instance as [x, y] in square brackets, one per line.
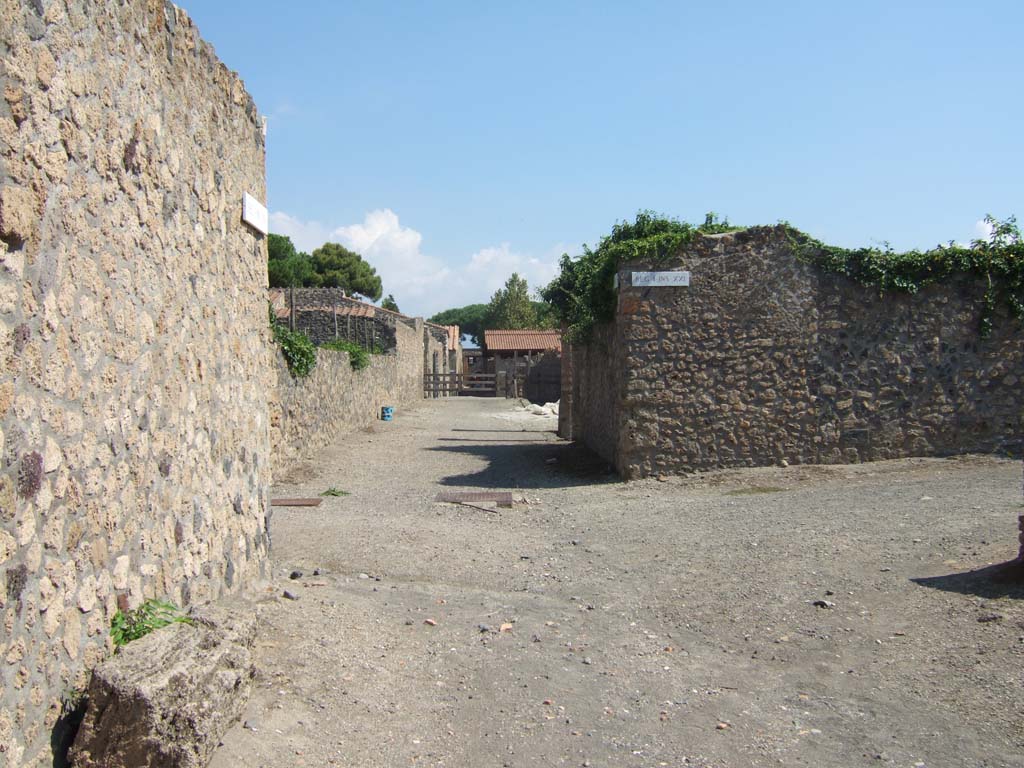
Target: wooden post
[529, 367]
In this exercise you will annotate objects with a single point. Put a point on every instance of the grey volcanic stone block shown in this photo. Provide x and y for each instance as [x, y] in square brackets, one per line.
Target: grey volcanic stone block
[168, 698]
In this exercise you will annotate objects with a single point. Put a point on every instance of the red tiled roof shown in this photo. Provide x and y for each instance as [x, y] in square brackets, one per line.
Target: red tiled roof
[522, 341]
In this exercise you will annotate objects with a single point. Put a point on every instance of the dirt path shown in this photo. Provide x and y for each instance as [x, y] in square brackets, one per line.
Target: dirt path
[649, 624]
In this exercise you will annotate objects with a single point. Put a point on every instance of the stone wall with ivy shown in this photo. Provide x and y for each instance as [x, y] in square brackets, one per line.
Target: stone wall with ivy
[308, 413]
[767, 358]
[325, 314]
[134, 448]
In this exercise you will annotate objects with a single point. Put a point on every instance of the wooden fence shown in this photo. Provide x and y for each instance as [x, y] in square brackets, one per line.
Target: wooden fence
[448, 384]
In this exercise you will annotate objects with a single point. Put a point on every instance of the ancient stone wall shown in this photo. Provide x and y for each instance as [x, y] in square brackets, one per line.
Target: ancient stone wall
[435, 349]
[764, 359]
[325, 314]
[542, 381]
[134, 443]
[326, 325]
[595, 408]
[308, 414]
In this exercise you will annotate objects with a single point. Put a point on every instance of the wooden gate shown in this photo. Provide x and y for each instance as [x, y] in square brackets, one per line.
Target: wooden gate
[448, 384]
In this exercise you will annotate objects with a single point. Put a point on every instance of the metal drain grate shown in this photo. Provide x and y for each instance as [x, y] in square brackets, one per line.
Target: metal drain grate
[501, 498]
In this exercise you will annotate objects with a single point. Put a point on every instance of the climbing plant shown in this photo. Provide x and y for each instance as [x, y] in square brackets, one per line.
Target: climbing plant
[298, 350]
[358, 357]
[583, 293]
[998, 262]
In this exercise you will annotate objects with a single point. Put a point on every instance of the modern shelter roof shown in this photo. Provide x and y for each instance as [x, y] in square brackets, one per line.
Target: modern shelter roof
[522, 341]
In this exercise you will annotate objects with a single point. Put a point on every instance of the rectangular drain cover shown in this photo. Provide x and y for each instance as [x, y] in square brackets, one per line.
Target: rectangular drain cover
[501, 498]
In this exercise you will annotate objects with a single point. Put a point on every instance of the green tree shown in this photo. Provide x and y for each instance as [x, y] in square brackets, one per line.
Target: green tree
[390, 303]
[547, 315]
[471, 320]
[511, 307]
[287, 266]
[338, 267]
[280, 247]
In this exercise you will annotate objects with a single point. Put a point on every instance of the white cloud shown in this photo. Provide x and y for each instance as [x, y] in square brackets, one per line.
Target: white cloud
[394, 251]
[983, 230]
[306, 235]
[422, 284]
[490, 267]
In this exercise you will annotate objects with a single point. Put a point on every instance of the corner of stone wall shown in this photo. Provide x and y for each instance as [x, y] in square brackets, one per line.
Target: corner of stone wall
[764, 359]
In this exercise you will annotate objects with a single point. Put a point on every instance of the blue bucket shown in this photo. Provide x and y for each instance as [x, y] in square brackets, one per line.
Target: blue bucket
[386, 413]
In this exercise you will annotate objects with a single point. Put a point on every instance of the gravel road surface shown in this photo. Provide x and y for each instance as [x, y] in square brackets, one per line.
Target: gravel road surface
[801, 616]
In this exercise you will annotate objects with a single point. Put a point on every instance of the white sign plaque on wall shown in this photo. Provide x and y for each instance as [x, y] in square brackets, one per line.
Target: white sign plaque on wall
[661, 278]
[254, 213]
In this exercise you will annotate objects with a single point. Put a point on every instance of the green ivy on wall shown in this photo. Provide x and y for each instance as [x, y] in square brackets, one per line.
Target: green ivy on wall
[298, 350]
[583, 293]
[997, 262]
[358, 357]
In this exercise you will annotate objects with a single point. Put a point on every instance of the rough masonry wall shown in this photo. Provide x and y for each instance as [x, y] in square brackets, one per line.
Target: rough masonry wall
[595, 408]
[435, 349]
[765, 359]
[133, 435]
[322, 326]
[308, 414]
[325, 314]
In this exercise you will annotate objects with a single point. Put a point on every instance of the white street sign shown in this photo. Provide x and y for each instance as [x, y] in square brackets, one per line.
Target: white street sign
[254, 213]
[661, 278]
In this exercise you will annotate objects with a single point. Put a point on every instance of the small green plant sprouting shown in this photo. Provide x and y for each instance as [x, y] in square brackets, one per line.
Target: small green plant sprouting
[71, 700]
[298, 350]
[139, 622]
[358, 357]
[332, 491]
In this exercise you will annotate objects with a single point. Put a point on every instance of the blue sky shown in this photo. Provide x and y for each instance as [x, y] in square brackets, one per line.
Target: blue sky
[452, 143]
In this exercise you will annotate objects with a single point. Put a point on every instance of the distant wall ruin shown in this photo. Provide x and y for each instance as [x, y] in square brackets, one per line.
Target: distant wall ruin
[308, 414]
[326, 314]
[765, 359]
[134, 444]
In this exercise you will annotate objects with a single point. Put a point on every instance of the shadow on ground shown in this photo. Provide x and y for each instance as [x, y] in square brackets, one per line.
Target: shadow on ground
[528, 464]
[993, 581]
